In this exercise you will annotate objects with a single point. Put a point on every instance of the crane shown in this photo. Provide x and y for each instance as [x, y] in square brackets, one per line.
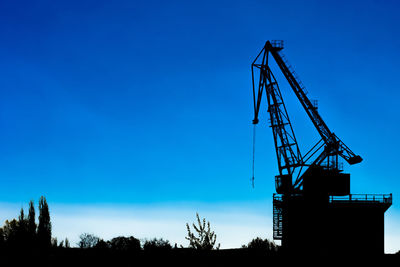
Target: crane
[313, 206]
[305, 181]
[324, 153]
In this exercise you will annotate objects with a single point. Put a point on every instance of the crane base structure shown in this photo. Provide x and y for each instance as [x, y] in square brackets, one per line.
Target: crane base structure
[352, 224]
[313, 208]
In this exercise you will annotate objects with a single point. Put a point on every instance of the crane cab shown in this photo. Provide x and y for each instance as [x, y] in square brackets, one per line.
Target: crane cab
[283, 184]
[328, 182]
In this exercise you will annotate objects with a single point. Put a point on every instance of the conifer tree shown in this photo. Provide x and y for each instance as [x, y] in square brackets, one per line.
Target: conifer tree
[44, 227]
[31, 223]
[22, 224]
[66, 243]
[22, 230]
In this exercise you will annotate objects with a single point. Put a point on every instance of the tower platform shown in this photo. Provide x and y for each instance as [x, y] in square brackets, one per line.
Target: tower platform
[331, 224]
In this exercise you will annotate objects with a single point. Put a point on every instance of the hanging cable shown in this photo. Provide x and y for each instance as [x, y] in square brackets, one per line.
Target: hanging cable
[254, 153]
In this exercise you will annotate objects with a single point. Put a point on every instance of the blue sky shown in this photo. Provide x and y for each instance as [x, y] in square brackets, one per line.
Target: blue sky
[149, 104]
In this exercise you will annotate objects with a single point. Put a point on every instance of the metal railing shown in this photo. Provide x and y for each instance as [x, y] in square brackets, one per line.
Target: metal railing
[277, 197]
[277, 43]
[378, 198]
[360, 198]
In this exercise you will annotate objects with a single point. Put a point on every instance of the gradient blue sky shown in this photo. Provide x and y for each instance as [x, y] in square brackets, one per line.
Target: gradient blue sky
[148, 103]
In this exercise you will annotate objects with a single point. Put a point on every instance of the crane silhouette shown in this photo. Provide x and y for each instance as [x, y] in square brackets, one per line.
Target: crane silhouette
[312, 203]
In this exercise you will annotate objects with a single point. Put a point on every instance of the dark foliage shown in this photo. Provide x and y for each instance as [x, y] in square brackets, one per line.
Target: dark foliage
[261, 245]
[66, 243]
[204, 239]
[102, 245]
[88, 240]
[157, 244]
[23, 233]
[31, 224]
[44, 227]
[125, 243]
[22, 230]
[10, 233]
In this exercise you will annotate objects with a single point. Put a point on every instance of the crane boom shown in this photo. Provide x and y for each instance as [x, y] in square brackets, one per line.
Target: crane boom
[288, 153]
[329, 138]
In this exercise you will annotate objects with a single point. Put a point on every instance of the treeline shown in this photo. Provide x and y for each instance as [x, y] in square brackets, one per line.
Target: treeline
[90, 241]
[24, 232]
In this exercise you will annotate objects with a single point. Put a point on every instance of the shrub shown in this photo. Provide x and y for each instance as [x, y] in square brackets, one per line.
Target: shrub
[157, 244]
[261, 244]
[125, 243]
[205, 238]
[88, 240]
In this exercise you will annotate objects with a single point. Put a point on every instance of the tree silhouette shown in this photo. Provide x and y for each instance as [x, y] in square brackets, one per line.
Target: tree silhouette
[261, 245]
[102, 244]
[23, 233]
[157, 244]
[2, 239]
[66, 243]
[88, 240]
[10, 230]
[31, 224]
[54, 242]
[205, 239]
[21, 219]
[22, 230]
[44, 227]
[125, 243]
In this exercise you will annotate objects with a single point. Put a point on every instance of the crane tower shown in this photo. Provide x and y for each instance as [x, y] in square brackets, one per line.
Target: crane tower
[313, 206]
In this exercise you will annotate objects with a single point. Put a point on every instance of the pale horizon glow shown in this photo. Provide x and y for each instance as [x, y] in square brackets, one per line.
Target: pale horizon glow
[234, 223]
[234, 227]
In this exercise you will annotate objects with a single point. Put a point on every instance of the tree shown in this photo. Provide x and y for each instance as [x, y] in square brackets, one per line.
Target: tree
[157, 244]
[22, 230]
[31, 222]
[261, 245]
[21, 219]
[205, 239]
[66, 243]
[125, 243]
[88, 240]
[10, 230]
[22, 222]
[44, 227]
[54, 242]
[102, 244]
[2, 239]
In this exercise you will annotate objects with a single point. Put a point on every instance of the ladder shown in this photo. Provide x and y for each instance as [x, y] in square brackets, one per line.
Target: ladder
[277, 218]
